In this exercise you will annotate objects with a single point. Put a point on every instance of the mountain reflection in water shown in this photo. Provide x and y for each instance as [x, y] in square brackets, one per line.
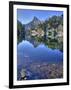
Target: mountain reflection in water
[32, 58]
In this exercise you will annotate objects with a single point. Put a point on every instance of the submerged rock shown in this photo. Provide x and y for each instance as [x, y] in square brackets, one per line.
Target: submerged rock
[42, 71]
[23, 74]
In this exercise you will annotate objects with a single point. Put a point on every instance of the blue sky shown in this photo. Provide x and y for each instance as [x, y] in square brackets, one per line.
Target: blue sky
[26, 15]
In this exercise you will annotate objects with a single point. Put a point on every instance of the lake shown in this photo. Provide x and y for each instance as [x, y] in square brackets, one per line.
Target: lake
[33, 59]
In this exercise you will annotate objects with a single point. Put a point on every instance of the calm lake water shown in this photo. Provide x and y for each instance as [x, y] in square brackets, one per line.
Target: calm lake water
[27, 54]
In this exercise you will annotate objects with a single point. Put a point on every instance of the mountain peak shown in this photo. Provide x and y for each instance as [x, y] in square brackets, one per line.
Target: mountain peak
[35, 19]
[33, 24]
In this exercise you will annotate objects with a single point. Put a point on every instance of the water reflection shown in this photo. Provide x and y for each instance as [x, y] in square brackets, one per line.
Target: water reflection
[26, 51]
[28, 54]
